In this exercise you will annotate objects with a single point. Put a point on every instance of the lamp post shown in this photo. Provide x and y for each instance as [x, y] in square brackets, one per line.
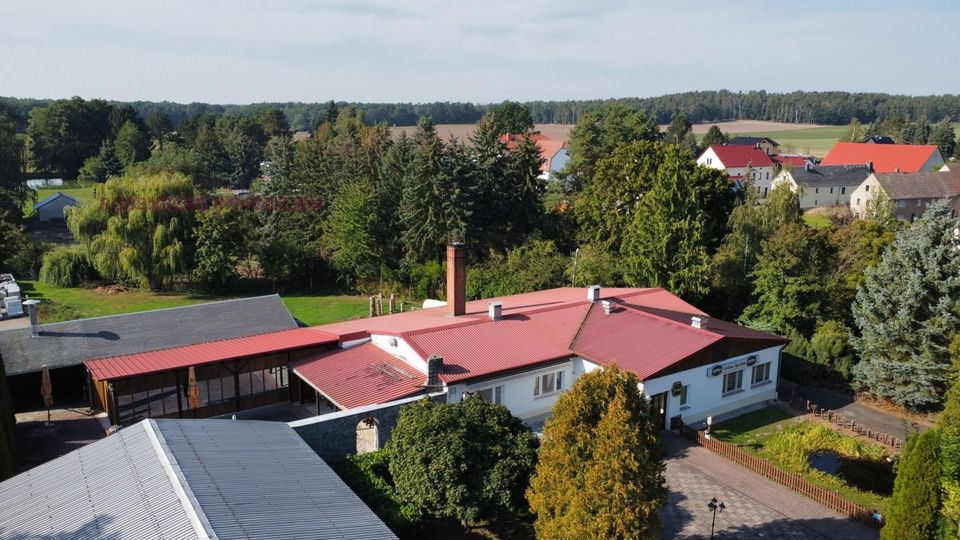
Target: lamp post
[714, 507]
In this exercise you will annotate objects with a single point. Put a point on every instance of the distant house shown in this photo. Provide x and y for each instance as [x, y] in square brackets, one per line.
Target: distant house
[823, 185]
[795, 161]
[739, 162]
[52, 207]
[886, 158]
[879, 139]
[911, 193]
[188, 479]
[766, 144]
[555, 154]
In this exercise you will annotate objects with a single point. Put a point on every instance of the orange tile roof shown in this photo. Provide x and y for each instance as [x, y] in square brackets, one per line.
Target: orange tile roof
[884, 157]
[741, 156]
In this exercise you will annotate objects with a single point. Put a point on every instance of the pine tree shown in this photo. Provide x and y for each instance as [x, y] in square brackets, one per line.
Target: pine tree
[350, 232]
[915, 503]
[678, 130]
[600, 472]
[714, 136]
[944, 137]
[490, 221]
[906, 311]
[160, 126]
[526, 188]
[948, 424]
[102, 166]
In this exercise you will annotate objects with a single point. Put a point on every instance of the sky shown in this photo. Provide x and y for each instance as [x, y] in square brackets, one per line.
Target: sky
[244, 51]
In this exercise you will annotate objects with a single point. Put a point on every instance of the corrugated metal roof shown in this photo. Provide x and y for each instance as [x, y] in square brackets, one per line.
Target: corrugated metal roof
[256, 479]
[216, 351]
[112, 488]
[358, 376]
[638, 342]
[71, 343]
[187, 479]
[483, 347]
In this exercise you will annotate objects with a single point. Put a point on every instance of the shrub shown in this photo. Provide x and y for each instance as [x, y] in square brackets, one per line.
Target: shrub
[915, 503]
[368, 475]
[469, 460]
[67, 267]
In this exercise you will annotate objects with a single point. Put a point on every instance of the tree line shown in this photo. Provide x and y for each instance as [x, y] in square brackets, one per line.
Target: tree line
[832, 108]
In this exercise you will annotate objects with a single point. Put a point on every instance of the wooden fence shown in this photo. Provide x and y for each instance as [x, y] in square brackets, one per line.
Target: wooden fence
[801, 485]
[797, 402]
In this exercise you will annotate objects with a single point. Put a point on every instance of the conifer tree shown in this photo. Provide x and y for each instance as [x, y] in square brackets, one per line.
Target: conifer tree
[600, 472]
[948, 423]
[677, 225]
[526, 188]
[944, 137]
[915, 503]
[350, 231]
[906, 311]
[714, 136]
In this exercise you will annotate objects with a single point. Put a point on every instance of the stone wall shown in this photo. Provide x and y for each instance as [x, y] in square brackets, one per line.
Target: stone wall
[334, 436]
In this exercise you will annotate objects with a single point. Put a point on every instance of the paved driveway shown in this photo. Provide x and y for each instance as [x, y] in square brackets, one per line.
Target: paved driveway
[755, 506]
[862, 414]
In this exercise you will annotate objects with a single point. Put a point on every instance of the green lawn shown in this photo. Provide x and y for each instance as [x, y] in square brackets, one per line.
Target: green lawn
[817, 221]
[864, 476]
[817, 141]
[73, 303]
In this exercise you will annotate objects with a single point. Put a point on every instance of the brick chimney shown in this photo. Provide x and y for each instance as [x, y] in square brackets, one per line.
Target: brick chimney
[456, 279]
[434, 367]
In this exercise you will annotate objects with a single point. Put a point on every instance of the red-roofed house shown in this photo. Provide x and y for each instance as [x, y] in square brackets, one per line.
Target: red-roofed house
[555, 154]
[524, 350]
[739, 162]
[886, 158]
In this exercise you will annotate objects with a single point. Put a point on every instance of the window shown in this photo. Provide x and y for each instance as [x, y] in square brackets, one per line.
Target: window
[764, 192]
[816, 190]
[493, 394]
[761, 374]
[548, 383]
[733, 382]
[768, 176]
[816, 202]
[858, 201]
[902, 203]
[683, 395]
[831, 190]
[866, 188]
[843, 190]
[709, 161]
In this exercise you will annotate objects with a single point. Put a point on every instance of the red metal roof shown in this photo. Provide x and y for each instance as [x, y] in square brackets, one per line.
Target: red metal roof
[358, 376]
[486, 346]
[797, 162]
[215, 351]
[741, 156]
[885, 157]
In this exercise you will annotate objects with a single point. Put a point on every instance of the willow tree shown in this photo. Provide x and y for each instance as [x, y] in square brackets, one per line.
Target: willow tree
[140, 229]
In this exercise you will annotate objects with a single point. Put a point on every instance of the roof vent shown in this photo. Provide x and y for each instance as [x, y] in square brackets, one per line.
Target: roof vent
[593, 293]
[699, 322]
[34, 317]
[807, 165]
[607, 307]
[869, 165]
[495, 310]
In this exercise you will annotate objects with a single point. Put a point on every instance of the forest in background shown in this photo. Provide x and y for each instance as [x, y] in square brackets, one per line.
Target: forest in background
[829, 108]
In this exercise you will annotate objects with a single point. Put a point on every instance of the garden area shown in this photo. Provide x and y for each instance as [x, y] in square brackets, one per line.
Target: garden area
[859, 471]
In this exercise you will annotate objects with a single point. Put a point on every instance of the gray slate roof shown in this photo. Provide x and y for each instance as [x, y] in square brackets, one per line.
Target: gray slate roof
[830, 175]
[920, 185]
[72, 342]
[187, 479]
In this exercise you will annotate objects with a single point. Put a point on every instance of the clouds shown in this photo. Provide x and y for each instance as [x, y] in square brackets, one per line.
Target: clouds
[426, 50]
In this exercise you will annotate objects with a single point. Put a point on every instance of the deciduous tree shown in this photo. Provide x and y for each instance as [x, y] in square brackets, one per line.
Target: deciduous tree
[223, 233]
[714, 136]
[510, 117]
[350, 232]
[945, 137]
[132, 145]
[600, 470]
[599, 132]
[468, 460]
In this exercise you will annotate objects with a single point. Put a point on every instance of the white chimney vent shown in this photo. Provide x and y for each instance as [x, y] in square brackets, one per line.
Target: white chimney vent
[607, 307]
[699, 322]
[495, 310]
[593, 293]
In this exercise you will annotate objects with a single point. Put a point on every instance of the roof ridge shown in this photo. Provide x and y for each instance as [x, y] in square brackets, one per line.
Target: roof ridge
[642, 311]
[181, 488]
[583, 324]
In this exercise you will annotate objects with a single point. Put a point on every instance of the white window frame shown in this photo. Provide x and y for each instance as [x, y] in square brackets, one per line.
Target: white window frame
[766, 375]
[556, 380]
[738, 374]
[496, 392]
[684, 394]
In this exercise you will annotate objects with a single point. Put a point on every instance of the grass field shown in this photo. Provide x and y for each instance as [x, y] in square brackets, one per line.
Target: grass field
[812, 140]
[82, 193]
[73, 303]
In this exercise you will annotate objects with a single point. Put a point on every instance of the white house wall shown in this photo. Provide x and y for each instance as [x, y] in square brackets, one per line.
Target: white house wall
[705, 392]
[399, 348]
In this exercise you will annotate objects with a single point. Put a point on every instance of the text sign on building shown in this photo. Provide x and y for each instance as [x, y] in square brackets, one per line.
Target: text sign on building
[717, 369]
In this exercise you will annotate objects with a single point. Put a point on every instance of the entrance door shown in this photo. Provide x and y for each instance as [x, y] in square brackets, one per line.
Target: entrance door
[658, 410]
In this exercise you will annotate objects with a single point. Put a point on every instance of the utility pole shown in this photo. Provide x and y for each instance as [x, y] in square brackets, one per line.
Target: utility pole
[576, 258]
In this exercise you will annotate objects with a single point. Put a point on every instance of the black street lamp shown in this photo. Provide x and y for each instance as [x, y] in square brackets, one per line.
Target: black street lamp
[714, 507]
